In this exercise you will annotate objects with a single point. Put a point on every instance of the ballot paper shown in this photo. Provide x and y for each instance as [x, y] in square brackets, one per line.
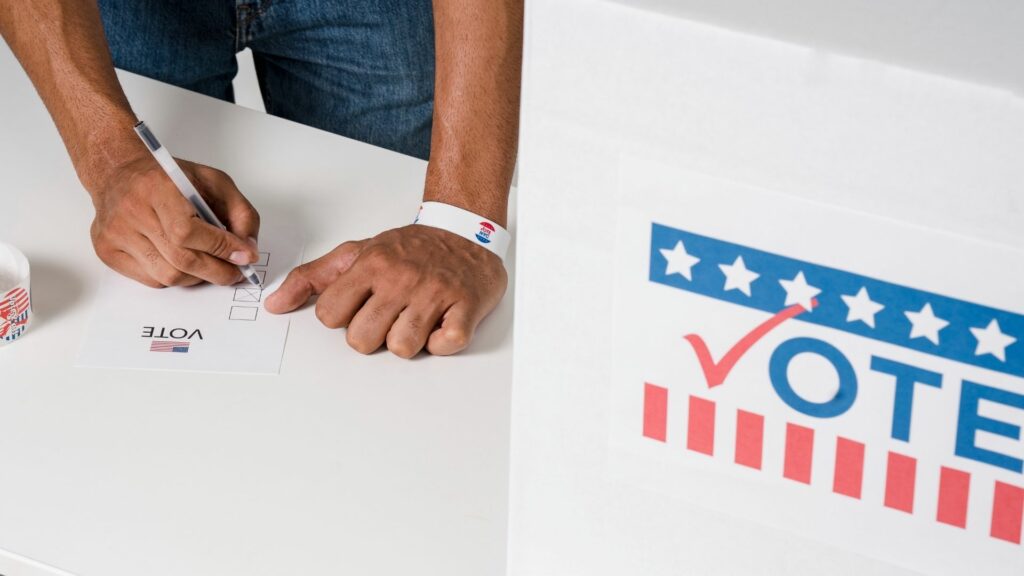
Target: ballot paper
[204, 328]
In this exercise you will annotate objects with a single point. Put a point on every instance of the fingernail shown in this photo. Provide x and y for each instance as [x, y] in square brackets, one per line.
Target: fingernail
[239, 258]
[252, 242]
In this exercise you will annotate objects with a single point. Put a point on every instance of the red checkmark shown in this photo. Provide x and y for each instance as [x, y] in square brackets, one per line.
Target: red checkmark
[715, 373]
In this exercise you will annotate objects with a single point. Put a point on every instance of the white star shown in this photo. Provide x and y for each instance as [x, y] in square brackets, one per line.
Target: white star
[991, 340]
[925, 324]
[862, 307]
[799, 292]
[737, 277]
[679, 262]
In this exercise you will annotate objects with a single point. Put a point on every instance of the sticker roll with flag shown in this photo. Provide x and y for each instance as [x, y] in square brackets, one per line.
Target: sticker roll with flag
[15, 296]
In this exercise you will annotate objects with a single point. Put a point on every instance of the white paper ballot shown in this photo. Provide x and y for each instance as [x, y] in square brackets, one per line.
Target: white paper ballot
[204, 328]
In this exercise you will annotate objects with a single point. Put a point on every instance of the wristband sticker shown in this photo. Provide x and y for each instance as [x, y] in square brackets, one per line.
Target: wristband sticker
[484, 235]
[466, 224]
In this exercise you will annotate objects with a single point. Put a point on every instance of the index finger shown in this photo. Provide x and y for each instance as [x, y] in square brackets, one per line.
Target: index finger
[182, 227]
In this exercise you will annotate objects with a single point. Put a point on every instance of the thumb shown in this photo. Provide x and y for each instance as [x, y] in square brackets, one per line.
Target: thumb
[312, 278]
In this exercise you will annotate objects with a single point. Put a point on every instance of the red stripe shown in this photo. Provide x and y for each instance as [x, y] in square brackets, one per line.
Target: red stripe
[655, 412]
[700, 435]
[163, 346]
[799, 453]
[899, 482]
[16, 301]
[16, 294]
[749, 438]
[1007, 512]
[849, 471]
[954, 486]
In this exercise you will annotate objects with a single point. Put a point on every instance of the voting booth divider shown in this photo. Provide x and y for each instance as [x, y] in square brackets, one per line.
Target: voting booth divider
[770, 301]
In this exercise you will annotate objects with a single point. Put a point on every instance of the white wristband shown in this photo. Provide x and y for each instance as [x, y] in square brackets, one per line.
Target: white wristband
[476, 229]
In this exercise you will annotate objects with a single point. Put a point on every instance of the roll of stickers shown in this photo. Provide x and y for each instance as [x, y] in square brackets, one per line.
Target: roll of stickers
[15, 295]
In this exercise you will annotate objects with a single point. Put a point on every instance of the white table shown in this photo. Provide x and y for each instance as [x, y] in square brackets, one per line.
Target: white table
[343, 464]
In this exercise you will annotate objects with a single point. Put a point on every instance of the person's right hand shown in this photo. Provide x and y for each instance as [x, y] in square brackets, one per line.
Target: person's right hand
[146, 230]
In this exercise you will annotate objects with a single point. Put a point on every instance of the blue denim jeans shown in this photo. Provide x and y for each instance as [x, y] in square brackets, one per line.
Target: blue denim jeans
[359, 68]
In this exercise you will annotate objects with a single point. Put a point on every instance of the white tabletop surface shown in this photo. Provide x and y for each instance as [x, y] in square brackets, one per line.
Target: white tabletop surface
[343, 464]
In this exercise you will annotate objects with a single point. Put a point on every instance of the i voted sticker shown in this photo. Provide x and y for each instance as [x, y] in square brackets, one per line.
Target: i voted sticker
[14, 311]
[15, 294]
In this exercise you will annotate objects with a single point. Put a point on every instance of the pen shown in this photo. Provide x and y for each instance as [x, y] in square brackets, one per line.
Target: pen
[184, 185]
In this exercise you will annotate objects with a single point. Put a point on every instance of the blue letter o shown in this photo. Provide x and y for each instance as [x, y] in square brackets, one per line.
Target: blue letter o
[778, 368]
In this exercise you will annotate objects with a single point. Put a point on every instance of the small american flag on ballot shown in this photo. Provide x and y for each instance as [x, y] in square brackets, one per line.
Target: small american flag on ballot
[168, 346]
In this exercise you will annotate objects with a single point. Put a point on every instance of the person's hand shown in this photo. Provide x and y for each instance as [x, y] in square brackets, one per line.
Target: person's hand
[146, 230]
[411, 287]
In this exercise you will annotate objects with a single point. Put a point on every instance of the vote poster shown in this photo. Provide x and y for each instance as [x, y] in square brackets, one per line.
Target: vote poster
[853, 379]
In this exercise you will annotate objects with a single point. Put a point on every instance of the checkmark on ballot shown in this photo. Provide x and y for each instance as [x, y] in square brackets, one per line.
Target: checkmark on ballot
[248, 294]
[716, 372]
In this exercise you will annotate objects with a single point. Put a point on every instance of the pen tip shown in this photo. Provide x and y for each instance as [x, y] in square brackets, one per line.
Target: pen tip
[255, 280]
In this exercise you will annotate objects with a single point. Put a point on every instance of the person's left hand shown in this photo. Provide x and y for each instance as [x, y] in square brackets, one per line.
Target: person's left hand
[411, 287]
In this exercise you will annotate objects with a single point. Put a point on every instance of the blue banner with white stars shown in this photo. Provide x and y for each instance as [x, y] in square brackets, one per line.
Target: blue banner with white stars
[916, 319]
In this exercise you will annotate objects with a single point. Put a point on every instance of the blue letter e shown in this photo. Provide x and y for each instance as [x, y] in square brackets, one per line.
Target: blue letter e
[970, 422]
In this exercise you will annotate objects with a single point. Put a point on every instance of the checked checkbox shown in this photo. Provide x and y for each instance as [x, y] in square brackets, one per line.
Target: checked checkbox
[248, 294]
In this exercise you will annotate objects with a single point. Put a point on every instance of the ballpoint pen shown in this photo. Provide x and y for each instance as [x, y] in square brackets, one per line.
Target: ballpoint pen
[184, 185]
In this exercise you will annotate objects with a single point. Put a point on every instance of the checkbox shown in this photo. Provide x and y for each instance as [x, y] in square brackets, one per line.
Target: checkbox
[243, 313]
[264, 259]
[262, 275]
[248, 294]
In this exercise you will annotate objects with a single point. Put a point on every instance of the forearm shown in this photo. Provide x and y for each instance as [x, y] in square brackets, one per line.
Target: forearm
[61, 45]
[476, 104]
